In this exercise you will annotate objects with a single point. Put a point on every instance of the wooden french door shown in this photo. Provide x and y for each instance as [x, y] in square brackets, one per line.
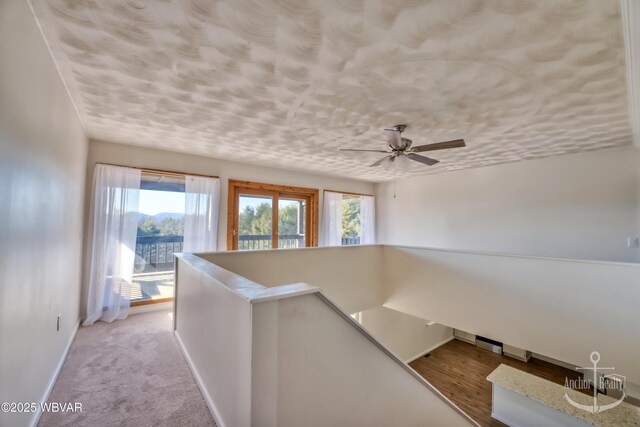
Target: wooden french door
[268, 216]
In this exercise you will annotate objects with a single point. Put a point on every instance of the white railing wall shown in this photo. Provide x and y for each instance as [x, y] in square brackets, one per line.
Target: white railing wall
[273, 350]
[213, 324]
[288, 356]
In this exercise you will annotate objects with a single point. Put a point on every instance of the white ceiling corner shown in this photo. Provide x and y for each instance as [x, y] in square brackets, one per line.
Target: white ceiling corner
[288, 82]
[630, 13]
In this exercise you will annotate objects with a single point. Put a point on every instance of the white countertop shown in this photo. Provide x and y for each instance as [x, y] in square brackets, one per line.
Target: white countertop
[552, 395]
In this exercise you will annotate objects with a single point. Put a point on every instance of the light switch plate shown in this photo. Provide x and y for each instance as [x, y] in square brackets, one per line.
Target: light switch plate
[633, 242]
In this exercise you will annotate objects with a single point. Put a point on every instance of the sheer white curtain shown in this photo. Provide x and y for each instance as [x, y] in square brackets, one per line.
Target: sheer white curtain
[113, 224]
[202, 198]
[332, 219]
[367, 220]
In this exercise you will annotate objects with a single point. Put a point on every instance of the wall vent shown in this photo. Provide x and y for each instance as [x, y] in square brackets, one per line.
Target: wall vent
[489, 344]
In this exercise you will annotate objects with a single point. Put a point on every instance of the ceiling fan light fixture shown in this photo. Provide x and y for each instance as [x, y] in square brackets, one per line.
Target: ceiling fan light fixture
[387, 163]
[404, 164]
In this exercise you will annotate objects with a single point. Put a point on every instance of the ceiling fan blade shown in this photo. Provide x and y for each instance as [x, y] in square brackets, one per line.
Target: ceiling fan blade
[439, 146]
[394, 138]
[369, 151]
[379, 162]
[422, 159]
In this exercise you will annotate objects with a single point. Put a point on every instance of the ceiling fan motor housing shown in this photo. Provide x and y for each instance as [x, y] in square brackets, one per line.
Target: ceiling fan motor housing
[401, 145]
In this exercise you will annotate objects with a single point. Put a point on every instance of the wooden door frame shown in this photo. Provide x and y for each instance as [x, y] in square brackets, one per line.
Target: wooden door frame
[275, 191]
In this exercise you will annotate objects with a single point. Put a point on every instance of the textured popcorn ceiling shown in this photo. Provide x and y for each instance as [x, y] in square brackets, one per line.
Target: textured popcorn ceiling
[286, 83]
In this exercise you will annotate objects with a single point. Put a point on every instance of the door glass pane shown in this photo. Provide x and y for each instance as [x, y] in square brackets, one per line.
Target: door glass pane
[292, 226]
[254, 222]
[160, 235]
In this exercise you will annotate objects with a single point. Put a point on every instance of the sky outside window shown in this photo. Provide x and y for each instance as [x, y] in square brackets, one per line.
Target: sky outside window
[153, 202]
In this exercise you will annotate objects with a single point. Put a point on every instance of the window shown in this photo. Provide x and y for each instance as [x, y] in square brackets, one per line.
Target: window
[268, 216]
[348, 219]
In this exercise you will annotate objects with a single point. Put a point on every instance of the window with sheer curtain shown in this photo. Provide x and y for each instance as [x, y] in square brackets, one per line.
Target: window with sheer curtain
[202, 198]
[348, 219]
[113, 225]
[130, 252]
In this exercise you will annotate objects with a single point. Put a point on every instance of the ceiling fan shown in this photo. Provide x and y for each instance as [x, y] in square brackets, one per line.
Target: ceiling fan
[401, 151]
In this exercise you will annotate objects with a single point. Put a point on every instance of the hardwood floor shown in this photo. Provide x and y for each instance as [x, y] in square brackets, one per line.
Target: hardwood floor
[459, 370]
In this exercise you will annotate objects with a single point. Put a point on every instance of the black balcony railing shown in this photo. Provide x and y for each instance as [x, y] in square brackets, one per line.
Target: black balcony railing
[263, 241]
[348, 241]
[155, 253]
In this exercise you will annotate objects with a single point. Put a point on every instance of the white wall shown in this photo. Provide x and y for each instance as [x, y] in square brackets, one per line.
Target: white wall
[637, 162]
[349, 275]
[562, 309]
[407, 336]
[42, 166]
[575, 206]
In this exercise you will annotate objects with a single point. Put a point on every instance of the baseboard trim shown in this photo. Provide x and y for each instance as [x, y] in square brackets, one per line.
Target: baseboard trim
[430, 349]
[203, 389]
[553, 361]
[52, 382]
[517, 356]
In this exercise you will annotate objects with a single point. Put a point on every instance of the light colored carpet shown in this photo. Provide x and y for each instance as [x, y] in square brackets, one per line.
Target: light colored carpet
[128, 373]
